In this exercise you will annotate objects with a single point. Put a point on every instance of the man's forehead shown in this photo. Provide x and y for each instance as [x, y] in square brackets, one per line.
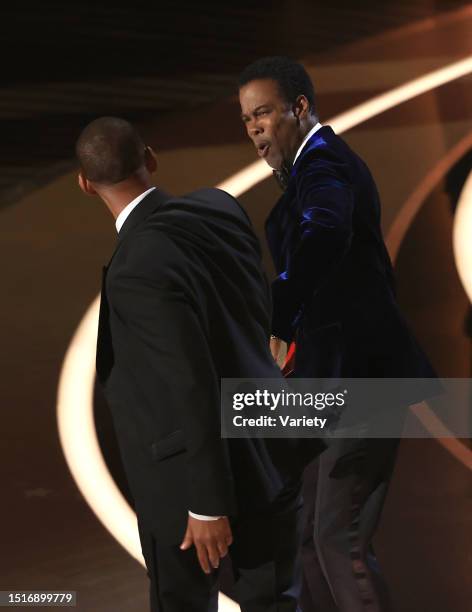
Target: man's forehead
[259, 92]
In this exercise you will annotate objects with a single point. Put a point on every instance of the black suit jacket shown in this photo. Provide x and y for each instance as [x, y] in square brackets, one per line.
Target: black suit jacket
[184, 303]
[334, 293]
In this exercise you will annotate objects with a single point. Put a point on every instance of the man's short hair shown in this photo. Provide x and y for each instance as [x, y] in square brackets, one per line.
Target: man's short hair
[291, 77]
[109, 150]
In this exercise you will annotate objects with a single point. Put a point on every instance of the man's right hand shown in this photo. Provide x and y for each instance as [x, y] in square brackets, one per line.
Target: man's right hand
[211, 540]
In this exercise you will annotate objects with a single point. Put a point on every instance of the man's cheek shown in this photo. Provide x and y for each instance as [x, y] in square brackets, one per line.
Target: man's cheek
[275, 159]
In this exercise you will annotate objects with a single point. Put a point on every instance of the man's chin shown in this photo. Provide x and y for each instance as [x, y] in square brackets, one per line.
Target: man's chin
[274, 164]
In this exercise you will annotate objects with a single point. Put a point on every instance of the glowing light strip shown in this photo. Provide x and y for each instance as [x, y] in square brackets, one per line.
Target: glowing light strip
[396, 234]
[258, 171]
[399, 95]
[75, 420]
[462, 236]
[432, 423]
[75, 399]
[412, 205]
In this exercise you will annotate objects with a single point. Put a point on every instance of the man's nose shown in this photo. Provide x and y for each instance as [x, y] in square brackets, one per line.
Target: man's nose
[254, 129]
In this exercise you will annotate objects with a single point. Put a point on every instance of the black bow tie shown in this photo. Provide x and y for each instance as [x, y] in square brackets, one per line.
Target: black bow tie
[282, 177]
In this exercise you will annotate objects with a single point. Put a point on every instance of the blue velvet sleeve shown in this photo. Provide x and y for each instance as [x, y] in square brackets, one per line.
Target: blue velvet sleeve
[324, 206]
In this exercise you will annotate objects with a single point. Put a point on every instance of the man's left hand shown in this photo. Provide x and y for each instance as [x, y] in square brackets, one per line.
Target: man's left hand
[211, 540]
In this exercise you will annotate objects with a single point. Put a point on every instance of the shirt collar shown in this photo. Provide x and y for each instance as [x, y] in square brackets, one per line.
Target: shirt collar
[314, 129]
[128, 209]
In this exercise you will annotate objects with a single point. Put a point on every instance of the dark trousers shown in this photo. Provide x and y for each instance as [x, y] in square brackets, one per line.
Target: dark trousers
[341, 572]
[265, 556]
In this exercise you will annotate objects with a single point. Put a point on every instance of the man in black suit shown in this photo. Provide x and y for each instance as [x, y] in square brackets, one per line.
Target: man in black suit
[334, 296]
[185, 302]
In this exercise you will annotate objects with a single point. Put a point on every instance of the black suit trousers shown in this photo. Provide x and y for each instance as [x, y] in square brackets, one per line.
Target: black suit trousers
[265, 556]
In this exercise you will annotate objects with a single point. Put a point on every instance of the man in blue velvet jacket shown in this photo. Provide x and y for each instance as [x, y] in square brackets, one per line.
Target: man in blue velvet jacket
[334, 296]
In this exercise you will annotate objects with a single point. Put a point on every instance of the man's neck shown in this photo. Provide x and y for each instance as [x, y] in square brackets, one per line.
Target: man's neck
[310, 124]
[304, 131]
[119, 196]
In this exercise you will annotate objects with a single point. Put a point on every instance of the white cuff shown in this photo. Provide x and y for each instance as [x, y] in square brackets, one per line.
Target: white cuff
[202, 517]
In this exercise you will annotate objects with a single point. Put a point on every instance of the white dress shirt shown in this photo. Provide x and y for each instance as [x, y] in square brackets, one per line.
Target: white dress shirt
[313, 130]
[125, 213]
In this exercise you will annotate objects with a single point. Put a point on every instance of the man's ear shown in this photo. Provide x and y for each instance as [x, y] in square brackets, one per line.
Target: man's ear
[301, 108]
[150, 160]
[85, 185]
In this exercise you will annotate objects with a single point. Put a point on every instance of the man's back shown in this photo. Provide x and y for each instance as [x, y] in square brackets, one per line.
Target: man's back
[223, 278]
[188, 303]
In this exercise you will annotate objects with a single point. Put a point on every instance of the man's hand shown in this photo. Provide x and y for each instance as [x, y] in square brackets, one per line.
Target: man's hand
[275, 347]
[210, 538]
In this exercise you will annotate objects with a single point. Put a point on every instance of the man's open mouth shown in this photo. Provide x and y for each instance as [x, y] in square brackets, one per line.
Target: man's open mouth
[263, 149]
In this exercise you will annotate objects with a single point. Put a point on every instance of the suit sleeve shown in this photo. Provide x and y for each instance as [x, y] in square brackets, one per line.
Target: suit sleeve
[324, 205]
[162, 319]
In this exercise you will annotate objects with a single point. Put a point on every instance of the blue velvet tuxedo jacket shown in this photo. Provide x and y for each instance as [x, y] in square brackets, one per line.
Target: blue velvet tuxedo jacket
[334, 292]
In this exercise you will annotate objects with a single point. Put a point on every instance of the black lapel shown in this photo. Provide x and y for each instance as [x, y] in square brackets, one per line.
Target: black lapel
[104, 355]
[271, 218]
[326, 131]
[287, 196]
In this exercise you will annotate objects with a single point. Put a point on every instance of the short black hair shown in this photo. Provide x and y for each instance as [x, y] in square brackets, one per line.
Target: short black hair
[291, 77]
[109, 150]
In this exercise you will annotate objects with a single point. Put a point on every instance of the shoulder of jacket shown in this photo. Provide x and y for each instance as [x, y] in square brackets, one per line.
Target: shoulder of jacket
[321, 157]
